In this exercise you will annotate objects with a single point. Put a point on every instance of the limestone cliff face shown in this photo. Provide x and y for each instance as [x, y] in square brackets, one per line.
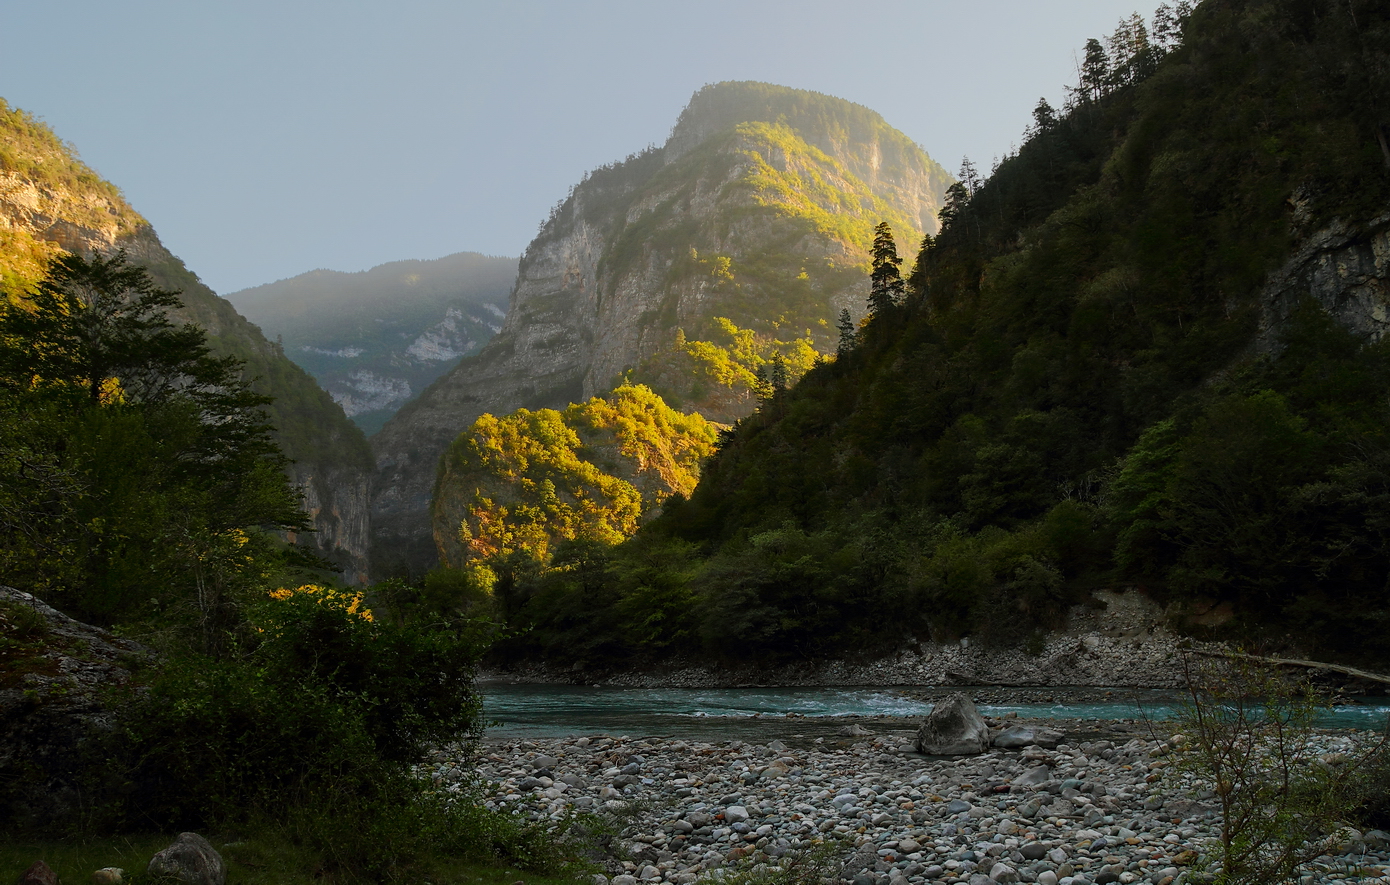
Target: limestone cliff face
[759, 209]
[1345, 269]
[56, 203]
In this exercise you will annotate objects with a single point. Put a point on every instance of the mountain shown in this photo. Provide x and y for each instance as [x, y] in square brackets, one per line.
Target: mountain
[51, 201]
[375, 339]
[1150, 354]
[681, 267]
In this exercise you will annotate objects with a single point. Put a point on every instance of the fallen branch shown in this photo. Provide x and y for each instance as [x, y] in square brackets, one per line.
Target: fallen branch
[1292, 662]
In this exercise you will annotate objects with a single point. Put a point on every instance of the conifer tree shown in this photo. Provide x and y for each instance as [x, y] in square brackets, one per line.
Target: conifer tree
[777, 376]
[848, 334]
[886, 282]
[1044, 117]
[1095, 71]
[762, 385]
[969, 176]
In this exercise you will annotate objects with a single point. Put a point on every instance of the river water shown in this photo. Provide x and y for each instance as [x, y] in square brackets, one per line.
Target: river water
[713, 714]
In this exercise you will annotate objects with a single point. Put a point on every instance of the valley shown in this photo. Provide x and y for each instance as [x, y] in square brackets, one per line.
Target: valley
[764, 414]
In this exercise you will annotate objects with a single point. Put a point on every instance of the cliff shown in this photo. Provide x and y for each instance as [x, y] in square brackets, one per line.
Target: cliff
[50, 201]
[1344, 269]
[759, 209]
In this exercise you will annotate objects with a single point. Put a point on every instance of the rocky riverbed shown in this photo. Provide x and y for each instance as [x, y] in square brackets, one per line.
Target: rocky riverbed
[1099, 807]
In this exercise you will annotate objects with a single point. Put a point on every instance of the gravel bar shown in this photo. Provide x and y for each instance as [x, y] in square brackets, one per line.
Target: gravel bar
[1101, 807]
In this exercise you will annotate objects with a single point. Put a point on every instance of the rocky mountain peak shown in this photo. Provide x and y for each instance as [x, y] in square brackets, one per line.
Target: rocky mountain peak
[755, 216]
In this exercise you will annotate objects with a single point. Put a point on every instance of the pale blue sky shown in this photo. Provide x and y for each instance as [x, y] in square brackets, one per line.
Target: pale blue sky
[264, 139]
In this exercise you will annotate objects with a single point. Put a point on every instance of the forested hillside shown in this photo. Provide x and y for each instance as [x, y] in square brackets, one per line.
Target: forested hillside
[1148, 350]
[50, 202]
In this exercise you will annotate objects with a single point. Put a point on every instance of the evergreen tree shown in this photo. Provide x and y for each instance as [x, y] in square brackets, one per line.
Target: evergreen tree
[1095, 71]
[1168, 22]
[1132, 58]
[762, 385]
[957, 198]
[1044, 117]
[969, 176]
[886, 282]
[848, 334]
[777, 374]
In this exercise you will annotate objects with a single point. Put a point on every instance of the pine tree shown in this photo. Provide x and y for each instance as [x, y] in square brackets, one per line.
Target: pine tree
[1132, 58]
[886, 282]
[1044, 117]
[848, 334]
[777, 376]
[1095, 71]
[762, 385]
[957, 198]
[969, 176]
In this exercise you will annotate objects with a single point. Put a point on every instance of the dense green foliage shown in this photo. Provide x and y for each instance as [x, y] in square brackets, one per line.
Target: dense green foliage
[55, 203]
[377, 338]
[728, 370]
[1072, 394]
[140, 489]
[305, 737]
[139, 472]
[523, 482]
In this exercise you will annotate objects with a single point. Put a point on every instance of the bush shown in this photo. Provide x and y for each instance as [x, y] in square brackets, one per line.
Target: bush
[1248, 737]
[324, 700]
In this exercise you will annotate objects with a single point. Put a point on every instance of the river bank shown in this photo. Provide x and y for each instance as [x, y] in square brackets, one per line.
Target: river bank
[1121, 641]
[1102, 806]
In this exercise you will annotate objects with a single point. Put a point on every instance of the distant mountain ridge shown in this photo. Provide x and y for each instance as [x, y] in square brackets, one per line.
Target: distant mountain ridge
[51, 201]
[376, 338]
[757, 215]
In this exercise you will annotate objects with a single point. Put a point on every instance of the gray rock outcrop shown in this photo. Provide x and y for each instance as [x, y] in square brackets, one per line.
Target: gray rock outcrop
[53, 703]
[191, 860]
[953, 728]
[1342, 268]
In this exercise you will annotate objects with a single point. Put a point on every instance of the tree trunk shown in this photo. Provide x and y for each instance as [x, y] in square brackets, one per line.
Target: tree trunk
[1292, 662]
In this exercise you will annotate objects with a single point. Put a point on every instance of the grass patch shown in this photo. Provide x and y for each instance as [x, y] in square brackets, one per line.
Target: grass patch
[75, 860]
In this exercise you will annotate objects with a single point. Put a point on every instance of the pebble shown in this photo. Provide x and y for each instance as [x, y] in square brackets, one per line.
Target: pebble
[1087, 812]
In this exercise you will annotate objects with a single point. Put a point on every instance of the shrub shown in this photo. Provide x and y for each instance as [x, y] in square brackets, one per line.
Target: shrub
[1249, 738]
[324, 699]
